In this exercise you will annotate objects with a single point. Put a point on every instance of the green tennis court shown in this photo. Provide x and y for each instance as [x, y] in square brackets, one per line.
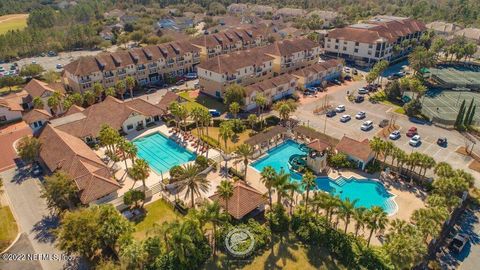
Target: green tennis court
[444, 104]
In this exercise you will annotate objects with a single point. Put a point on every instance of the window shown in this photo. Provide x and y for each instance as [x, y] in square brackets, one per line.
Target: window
[369, 52]
[336, 47]
[356, 50]
[344, 48]
[129, 127]
[370, 46]
[328, 45]
[336, 40]
[3, 118]
[345, 43]
[357, 43]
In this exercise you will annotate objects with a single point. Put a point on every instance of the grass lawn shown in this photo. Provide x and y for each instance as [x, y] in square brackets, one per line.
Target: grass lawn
[6, 90]
[400, 110]
[12, 22]
[157, 212]
[8, 227]
[231, 144]
[289, 254]
[203, 100]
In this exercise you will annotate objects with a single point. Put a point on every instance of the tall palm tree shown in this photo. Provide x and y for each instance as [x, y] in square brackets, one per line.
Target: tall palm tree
[387, 150]
[285, 108]
[244, 151]
[183, 116]
[130, 84]
[261, 102]
[268, 175]
[54, 102]
[292, 187]
[192, 181]
[98, 90]
[359, 214]
[280, 184]
[225, 191]
[347, 209]
[140, 171]
[376, 144]
[308, 182]
[377, 219]
[234, 109]
[130, 150]
[120, 88]
[225, 132]
[211, 213]
[110, 91]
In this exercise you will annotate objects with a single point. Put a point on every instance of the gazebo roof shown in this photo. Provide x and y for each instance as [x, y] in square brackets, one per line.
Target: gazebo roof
[265, 136]
[318, 145]
[311, 133]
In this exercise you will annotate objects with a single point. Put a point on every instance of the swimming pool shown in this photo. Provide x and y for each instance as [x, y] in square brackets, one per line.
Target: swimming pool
[367, 192]
[162, 153]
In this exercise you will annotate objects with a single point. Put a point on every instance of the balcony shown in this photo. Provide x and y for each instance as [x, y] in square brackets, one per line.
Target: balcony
[142, 67]
[152, 65]
[121, 72]
[231, 78]
[258, 69]
[107, 75]
[85, 80]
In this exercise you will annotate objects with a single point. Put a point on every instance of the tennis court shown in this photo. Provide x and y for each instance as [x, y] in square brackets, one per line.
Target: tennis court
[444, 104]
[456, 76]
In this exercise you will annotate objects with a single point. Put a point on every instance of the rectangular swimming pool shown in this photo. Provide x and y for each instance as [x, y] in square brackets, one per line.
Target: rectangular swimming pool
[162, 153]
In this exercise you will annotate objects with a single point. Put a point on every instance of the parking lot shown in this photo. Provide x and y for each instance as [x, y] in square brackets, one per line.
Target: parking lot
[376, 112]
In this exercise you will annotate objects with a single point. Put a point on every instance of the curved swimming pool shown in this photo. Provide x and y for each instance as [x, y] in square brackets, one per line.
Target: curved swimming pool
[367, 192]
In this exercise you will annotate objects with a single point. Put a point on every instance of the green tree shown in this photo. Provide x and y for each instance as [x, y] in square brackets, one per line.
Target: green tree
[192, 181]
[212, 213]
[50, 76]
[120, 88]
[234, 93]
[404, 245]
[9, 81]
[140, 171]
[244, 151]
[377, 219]
[108, 137]
[89, 97]
[55, 101]
[360, 217]
[308, 182]
[225, 132]
[110, 91]
[281, 181]
[267, 178]
[76, 98]
[60, 192]
[467, 114]
[460, 116]
[38, 103]
[429, 221]
[31, 70]
[130, 84]
[225, 192]
[261, 102]
[234, 109]
[252, 120]
[29, 149]
[347, 209]
[133, 197]
[377, 146]
[98, 90]
[285, 108]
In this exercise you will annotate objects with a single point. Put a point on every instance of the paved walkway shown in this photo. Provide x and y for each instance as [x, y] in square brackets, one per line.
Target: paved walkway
[33, 218]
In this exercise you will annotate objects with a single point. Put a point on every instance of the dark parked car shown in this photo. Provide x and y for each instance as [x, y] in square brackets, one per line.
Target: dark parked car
[442, 141]
[191, 76]
[331, 113]
[383, 123]
[180, 82]
[37, 170]
[214, 113]
[359, 99]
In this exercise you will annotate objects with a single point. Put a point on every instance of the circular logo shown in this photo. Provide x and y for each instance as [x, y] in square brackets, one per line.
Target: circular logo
[240, 242]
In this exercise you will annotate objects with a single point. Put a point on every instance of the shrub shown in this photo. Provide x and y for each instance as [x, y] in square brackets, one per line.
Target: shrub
[272, 120]
[340, 160]
[132, 197]
[238, 126]
[175, 173]
[261, 234]
[211, 141]
[202, 162]
[278, 219]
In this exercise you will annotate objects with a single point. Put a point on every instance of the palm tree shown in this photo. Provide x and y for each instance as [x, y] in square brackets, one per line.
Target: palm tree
[110, 91]
[140, 171]
[308, 182]
[252, 120]
[359, 214]
[285, 108]
[130, 151]
[244, 151]
[211, 213]
[196, 114]
[98, 90]
[347, 209]
[443, 169]
[376, 219]
[234, 108]
[192, 181]
[89, 97]
[387, 150]
[261, 102]
[225, 132]
[225, 191]
[38, 103]
[120, 88]
[292, 187]
[182, 114]
[429, 220]
[130, 84]
[268, 175]
[54, 102]
[280, 184]
[376, 144]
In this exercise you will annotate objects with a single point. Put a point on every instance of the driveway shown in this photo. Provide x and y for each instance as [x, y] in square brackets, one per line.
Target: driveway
[376, 112]
[33, 218]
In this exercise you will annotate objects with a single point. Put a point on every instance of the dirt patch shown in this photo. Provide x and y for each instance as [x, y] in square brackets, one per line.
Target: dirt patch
[6, 18]
[474, 165]
[385, 132]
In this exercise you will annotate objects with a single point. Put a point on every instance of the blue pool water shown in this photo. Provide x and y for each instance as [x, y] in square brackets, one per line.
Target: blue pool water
[367, 192]
[162, 153]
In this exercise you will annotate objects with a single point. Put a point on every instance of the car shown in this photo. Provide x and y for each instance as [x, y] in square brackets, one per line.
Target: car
[340, 108]
[362, 91]
[395, 135]
[367, 125]
[354, 71]
[442, 141]
[191, 76]
[383, 123]
[331, 113]
[397, 75]
[415, 141]
[174, 89]
[347, 78]
[360, 115]
[151, 90]
[345, 118]
[59, 66]
[359, 99]
[311, 89]
[52, 53]
[37, 170]
[196, 85]
[180, 82]
[337, 82]
[346, 69]
[214, 113]
[412, 132]
[34, 62]
[458, 242]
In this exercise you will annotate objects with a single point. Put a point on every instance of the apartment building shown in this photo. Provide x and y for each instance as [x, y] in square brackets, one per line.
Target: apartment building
[444, 29]
[318, 74]
[242, 67]
[38, 89]
[273, 89]
[230, 41]
[380, 38]
[292, 54]
[149, 64]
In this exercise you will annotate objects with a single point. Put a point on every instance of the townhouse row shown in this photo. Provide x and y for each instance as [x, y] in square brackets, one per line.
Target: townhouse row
[157, 63]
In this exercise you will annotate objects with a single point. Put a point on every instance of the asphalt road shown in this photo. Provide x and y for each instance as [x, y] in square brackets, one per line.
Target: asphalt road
[376, 112]
[33, 219]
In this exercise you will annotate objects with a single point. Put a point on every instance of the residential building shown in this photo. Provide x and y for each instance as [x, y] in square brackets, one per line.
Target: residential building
[289, 13]
[357, 151]
[290, 32]
[292, 54]
[125, 116]
[176, 24]
[381, 38]
[62, 151]
[443, 28]
[472, 34]
[37, 118]
[319, 73]
[237, 9]
[261, 10]
[150, 64]
[272, 89]
[241, 67]
[245, 202]
[10, 111]
[38, 89]
[328, 17]
[230, 41]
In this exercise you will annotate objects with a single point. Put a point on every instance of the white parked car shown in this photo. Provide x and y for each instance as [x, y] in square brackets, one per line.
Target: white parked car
[345, 118]
[360, 115]
[415, 140]
[394, 135]
[340, 108]
[362, 91]
[367, 125]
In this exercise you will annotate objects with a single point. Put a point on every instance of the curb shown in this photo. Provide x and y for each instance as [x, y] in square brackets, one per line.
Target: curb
[11, 245]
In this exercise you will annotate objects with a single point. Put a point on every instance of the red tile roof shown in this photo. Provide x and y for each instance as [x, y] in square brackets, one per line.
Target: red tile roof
[230, 37]
[36, 88]
[318, 145]
[317, 68]
[354, 148]
[269, 83]
[245, 199]
[62, 151]
[288, 47]
[36, 115]
[230, 63]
